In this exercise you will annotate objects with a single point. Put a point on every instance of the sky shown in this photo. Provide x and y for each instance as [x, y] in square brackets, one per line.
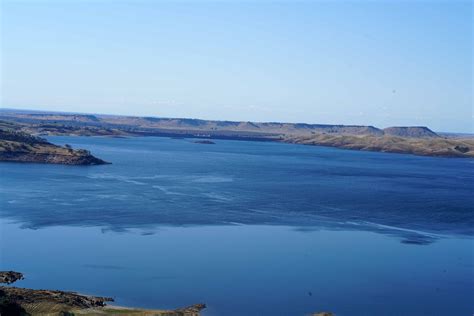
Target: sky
[382, 63]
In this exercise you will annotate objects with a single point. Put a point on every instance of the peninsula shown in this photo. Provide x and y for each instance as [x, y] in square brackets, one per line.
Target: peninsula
[18, 146]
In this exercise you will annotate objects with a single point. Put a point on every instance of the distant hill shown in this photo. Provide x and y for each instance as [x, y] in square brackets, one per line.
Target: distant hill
[193, 125]
[421, 146]
[410, 131]
[417, 140]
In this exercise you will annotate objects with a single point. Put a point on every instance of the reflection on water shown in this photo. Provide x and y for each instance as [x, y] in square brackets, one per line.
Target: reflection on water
[248, 228]
[175, 182]
[248, 270]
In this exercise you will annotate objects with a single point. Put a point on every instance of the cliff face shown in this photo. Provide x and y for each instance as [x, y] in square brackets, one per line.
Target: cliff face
[22, 147]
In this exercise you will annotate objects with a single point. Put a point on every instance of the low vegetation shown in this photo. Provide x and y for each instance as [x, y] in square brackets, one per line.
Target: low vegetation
[416, 140]
[16, 301]
[18, 146]
[422, 146]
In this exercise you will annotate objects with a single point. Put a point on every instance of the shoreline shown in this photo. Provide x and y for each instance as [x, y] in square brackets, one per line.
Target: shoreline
[412, 140]
[24, 301]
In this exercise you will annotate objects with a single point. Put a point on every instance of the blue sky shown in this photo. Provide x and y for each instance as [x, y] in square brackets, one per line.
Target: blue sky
[379, 63]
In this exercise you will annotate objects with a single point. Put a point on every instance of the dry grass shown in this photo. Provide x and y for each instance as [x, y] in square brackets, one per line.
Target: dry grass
[433, 146]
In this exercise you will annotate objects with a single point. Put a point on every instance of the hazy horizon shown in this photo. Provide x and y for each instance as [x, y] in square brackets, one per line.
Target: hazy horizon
[384, 64]
[199, 118]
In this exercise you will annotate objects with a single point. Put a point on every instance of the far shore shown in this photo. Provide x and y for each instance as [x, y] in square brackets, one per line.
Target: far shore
[413, 140]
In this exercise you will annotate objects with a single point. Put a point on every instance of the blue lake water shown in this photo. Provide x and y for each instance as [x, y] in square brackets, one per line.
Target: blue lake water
[249, 228]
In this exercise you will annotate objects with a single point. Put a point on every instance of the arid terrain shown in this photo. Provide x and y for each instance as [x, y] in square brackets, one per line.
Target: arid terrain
[19, 146]
[421, 146]
[20, 301]
[417, 140]
[16, 301]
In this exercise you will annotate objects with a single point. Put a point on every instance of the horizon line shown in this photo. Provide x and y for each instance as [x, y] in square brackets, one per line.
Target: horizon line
[218, 120]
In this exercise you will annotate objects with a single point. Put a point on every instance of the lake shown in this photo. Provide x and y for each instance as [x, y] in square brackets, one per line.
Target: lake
[249, 228]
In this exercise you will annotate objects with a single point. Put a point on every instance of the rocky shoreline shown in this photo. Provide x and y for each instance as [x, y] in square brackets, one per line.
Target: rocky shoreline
[52, 158]
[16, 301]
[22, 147]
[20, 301]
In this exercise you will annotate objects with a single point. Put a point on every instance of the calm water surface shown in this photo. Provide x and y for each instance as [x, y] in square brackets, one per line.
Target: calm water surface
[249, 228]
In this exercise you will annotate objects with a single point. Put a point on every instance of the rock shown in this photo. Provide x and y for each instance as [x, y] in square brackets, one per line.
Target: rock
[192, 310]
[9, 277]
[206, 142]
[462, 149]
[19, 301]
[41, 301]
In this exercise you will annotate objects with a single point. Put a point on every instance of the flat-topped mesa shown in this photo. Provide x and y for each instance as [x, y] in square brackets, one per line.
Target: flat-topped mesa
[410, 131]
[300, 128]
[63, 123]
[416, 140]
[87, 124]
[22, 147]
[256, 127]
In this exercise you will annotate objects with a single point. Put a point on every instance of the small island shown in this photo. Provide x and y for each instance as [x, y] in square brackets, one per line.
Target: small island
[16, 146]
[205, 142]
